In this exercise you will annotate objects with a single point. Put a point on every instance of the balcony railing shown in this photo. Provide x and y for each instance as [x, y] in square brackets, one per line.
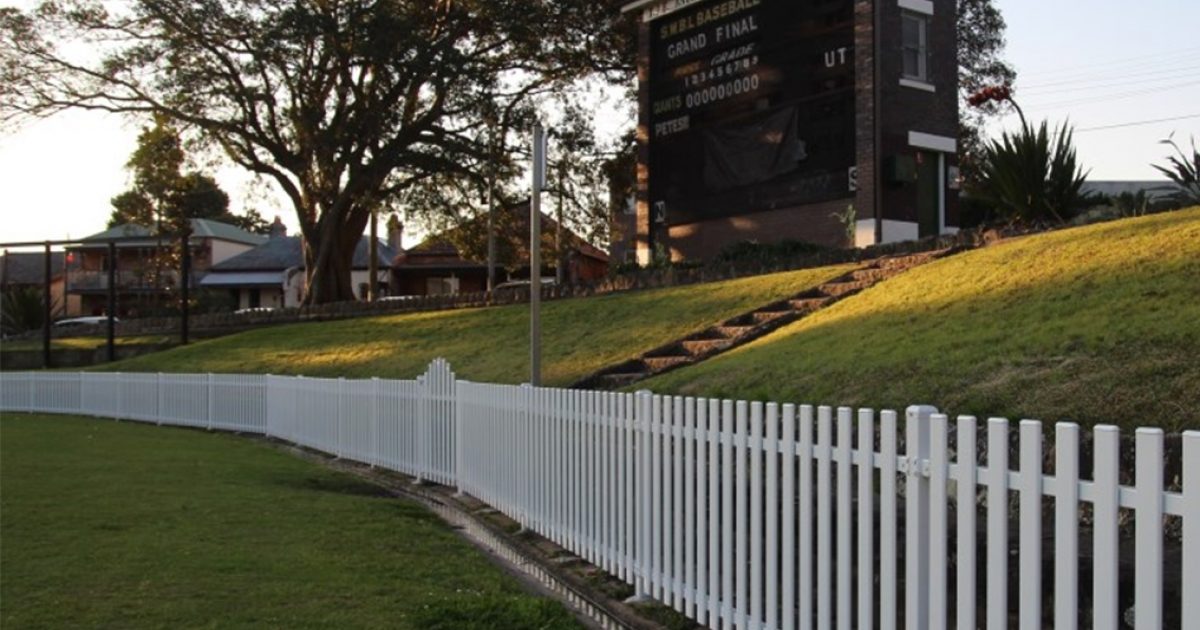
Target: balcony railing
[80, 281]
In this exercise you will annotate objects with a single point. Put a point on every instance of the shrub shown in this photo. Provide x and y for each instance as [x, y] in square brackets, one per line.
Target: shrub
[1028, 177]
[1184, 172]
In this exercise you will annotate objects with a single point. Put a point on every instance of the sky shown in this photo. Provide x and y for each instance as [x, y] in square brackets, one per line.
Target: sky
[1098, 63]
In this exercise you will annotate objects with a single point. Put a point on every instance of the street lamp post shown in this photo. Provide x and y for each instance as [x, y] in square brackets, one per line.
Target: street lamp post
[535, 255]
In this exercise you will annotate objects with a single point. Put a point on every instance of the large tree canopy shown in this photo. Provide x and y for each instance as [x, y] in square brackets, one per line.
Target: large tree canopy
[344, 104]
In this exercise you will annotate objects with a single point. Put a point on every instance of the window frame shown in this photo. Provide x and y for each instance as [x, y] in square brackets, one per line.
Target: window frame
[922, 47]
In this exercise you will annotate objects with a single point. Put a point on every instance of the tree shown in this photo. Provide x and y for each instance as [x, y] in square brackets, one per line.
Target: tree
[980, 64]
[344, 105]
[163, 197]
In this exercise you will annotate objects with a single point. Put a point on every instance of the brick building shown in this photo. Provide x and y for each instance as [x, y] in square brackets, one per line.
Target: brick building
[768, 120]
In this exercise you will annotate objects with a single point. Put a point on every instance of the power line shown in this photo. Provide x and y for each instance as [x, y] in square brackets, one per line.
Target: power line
[1139, 60]
[1103, 98]
[1115, 79]
[1138, 123]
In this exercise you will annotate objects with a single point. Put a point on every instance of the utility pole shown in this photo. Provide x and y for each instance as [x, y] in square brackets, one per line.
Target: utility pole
[46, 358]
[112, 300]
[535, 255]
[185, 283]
[491, 206]
[373, 253]
[559, 254]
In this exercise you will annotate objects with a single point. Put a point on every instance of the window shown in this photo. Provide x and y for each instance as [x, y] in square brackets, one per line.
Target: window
[915, 46]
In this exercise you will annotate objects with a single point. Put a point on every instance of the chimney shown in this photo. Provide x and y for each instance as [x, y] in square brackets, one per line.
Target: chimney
[278, 229]
[395, 234]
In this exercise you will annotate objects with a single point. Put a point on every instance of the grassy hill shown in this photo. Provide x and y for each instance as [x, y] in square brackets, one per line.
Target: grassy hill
[1099, 324]
[579, 335]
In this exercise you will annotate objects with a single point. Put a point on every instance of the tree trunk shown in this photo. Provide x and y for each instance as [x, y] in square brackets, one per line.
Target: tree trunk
[328, 269]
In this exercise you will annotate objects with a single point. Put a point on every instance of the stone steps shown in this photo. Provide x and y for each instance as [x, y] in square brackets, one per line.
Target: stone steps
[740, 329]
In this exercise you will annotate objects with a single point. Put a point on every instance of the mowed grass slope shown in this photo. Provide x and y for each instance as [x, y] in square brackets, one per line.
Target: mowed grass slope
[118, 525]
[579, 336]
[1099, 324]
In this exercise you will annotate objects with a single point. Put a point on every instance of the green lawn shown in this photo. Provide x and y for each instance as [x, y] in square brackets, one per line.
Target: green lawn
[579, 335]
[123, 525]
[1099, 324]
[86, 343]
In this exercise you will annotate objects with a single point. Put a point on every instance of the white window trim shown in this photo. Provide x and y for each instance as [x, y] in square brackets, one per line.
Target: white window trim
[923, 60]
[932, 142]
[918, 85]
[917, 6]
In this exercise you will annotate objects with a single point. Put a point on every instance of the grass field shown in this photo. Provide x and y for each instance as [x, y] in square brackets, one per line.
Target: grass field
[579, 335]
[1099, 324]
[128, 526]
[86, 343]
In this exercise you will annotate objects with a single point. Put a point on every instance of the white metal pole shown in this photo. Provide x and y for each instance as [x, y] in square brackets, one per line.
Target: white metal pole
[535, 255]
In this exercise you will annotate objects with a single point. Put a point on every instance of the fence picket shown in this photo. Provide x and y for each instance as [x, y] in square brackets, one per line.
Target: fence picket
[1191, 524]
[966, 510]
[1066, 521]
[824, 455]
[1148, 568]
[1030, 556]
[997, 524]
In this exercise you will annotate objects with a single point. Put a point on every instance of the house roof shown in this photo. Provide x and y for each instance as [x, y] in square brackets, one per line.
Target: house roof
[243, 279]
[1153, 189]
[201, 228]
[438, 250]
[284, 252]
[28, 267]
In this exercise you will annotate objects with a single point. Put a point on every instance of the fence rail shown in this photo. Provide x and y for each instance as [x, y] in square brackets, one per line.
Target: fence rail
[744, 514]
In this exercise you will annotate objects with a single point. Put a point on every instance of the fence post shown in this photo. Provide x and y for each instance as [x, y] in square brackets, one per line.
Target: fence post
[120, 397]
[460, 474]
[208, 383]
[916, 517]
[424, 408]
[337, 447]
[644, 488]
[374, 420]
[158, 396]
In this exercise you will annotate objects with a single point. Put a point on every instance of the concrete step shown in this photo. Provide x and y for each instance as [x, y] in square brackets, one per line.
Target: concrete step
[808, 305]
[763, 317]
[840, 289]
[872, 274]
[734, 331]
[699, 347]
[658, 364]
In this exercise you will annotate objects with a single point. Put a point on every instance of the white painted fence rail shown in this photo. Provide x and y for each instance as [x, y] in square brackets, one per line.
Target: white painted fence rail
[739, 514]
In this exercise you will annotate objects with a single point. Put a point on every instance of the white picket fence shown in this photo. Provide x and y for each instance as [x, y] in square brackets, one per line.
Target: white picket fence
[737, 514]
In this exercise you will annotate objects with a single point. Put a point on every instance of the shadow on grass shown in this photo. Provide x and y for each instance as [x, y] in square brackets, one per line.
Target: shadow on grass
[1095, 326]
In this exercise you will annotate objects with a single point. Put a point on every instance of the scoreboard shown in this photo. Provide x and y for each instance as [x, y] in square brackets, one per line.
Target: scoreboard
[751, 106]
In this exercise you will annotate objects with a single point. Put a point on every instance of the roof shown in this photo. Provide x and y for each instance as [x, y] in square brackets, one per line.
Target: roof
[201, 228]
[243, 278]
[29, 267]
[284, 252]
[438, 250]
[1153, 189]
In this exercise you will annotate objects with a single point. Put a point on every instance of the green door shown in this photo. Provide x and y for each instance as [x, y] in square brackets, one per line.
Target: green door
[928, 213]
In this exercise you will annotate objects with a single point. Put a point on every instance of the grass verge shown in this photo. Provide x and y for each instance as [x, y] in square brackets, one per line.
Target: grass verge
[122, 525]
[1099, 324]
[579, 336]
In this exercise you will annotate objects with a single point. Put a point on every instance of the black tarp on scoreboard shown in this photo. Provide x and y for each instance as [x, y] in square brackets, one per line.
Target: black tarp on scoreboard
[751, 106]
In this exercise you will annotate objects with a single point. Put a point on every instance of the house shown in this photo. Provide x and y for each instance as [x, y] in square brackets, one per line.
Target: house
[272, 274]
[146, 272]
[455, 261]
[27, 270]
